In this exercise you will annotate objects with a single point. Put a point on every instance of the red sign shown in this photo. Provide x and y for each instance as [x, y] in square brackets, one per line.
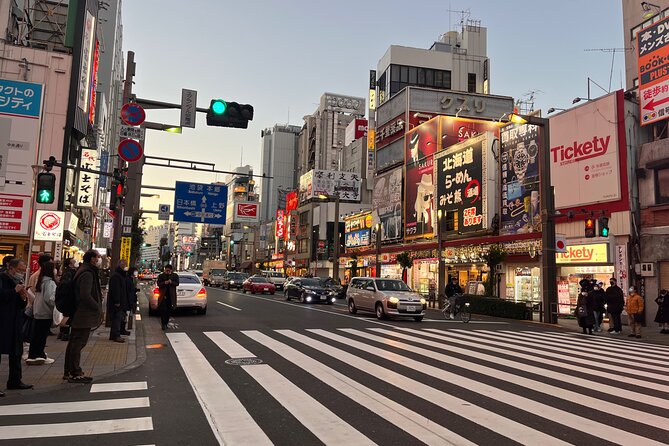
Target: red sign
[49, 221]
[10, 225]
[10, 213]
[390, 131]
[130, 150]
[280, 230]
[11, 202]
[247, 210]
[34, 262]
[291, 201]
[133, 114]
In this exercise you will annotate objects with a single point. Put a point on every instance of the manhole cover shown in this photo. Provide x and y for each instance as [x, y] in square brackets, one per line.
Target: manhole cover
[243, 361]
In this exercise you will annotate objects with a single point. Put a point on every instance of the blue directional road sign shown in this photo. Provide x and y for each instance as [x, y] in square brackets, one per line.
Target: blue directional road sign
[200, 203]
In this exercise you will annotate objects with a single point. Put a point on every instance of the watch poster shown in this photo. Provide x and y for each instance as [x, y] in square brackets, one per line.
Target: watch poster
[461, 172]
[419, 213]
[519, 163]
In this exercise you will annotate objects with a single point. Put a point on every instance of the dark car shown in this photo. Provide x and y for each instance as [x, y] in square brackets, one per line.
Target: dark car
[337, 290]
[308, 290]
[259, 284]
[234, 280]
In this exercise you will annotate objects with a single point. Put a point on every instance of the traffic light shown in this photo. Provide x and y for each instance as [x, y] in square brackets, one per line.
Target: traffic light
[589, 227]
[229, 114]
[118, 189]
[603, 224]
[46, 188]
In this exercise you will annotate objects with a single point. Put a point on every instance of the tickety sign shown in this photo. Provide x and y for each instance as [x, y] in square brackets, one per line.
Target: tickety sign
[200, 203]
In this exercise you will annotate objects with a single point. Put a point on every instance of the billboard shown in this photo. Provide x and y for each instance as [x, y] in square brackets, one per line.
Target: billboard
[356, 129]
[387, 204]
[291, 201]
[653, 71]
[246, 211]
[461, 173]
[358, 230]
[519, 164]
[331, 183]
[585, 154]
[280, 229]
[49, 225]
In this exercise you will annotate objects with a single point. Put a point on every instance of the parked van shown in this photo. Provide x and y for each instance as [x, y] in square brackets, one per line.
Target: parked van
[217, 276]
[385, 297]
[276, 277]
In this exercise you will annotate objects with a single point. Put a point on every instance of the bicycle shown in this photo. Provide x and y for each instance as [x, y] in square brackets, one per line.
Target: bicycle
[461, 308]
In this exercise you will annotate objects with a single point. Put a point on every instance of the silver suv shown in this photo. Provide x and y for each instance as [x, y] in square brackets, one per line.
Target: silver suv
[385, 297]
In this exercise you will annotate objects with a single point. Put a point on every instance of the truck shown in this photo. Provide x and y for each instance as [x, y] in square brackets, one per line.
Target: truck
[207, 266]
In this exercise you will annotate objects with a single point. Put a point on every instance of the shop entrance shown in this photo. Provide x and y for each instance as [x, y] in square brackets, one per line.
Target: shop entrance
[568, 283]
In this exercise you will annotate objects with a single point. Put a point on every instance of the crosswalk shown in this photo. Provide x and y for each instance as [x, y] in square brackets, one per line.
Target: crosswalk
[97, 417]
[402, 385]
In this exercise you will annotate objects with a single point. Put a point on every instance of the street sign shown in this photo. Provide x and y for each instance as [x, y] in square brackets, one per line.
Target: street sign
[200, 203]
[130, 150]
[127, 230]
[164, 212]
[188, 107]
[126, 242]
[132, 114]
[127, 220]
[127, 131]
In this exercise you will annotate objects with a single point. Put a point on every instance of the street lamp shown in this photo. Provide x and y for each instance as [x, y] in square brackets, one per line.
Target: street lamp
[377, 227]
[554, 109]
[441, 280]
[335, 254]
[548, 267]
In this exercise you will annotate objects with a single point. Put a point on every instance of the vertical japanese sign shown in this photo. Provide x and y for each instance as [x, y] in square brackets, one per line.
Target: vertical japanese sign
[126, 243]
[280, 230]
[86, 183]
[653, 71]
[519, 162]
[387, 204]
[462, 182]
[20, 112]
[621, 267]
[421, 144]
[87, 48]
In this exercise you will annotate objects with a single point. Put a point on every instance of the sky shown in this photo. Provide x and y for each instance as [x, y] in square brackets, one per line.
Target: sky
[281, 57]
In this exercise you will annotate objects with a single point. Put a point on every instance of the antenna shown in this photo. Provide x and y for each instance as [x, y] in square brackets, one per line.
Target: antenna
[464, 15]
[241, 157]
[525, 103]
[613, 52]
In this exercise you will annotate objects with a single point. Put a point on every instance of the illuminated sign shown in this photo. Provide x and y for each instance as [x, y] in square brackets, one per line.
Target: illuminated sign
[596, 253]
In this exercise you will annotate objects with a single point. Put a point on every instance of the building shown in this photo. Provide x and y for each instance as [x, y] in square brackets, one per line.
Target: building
[279, 161]
[241, 233]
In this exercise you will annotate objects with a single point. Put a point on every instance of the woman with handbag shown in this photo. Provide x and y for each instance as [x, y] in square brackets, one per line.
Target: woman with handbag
[662, 316]
[634, 308]
[585, 311]
[45, 301]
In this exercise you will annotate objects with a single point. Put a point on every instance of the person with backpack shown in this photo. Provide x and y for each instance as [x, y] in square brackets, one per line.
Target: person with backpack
[87, 314]
[117, 300]
[45, 299]
[65, 294]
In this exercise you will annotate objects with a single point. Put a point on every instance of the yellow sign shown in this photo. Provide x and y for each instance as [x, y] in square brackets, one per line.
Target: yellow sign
[372, 99]
[125, 248]
[370, 139]
[595, 253]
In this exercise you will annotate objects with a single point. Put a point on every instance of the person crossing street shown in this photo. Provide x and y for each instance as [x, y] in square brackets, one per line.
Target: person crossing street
[167, 301]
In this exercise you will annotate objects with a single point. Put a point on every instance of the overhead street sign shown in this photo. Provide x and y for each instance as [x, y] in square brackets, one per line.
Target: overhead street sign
[127, 131]
[188, 107]
[130, 150]
[200, 203]
[133, 114]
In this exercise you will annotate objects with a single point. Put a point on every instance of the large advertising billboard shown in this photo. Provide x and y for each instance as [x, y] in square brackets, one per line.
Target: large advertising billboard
[330, 183]
[387, 204]
[519, 163]
[358, 230]
[585, 154]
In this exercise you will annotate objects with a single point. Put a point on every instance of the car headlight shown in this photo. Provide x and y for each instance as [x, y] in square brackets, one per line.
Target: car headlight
[422, 301]
[393, 300]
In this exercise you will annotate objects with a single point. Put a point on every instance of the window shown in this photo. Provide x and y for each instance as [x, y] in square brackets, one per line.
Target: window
[421, 77]
[471, 83]
[413, 75]
[451, 223]
[404, 74]
[662, 185]
[188, 279]
[447, 79]
[429, 77]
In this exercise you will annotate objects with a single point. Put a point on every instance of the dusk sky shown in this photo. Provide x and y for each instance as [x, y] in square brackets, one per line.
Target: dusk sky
[282, 56]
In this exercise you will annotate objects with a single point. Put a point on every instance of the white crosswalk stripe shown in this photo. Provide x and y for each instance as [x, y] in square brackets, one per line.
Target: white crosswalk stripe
[528, 387]
[21, 428]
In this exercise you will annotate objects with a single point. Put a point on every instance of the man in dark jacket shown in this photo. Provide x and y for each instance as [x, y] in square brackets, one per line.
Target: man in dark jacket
[167, 300]
[88, 314]
[117, 300]
[598, 301]
[453, 289]
[67, 275]
[13, 300]
[615, 302]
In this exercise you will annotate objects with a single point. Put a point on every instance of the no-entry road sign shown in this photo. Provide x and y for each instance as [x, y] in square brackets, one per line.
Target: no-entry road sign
[130, 150]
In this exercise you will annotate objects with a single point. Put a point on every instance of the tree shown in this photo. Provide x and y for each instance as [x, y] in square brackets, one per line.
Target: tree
[406, 262]
[495, 255]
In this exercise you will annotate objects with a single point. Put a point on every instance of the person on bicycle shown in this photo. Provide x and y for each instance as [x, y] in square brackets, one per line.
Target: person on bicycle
[453, 290]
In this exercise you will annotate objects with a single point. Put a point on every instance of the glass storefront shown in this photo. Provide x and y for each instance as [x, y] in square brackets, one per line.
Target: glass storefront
[569, 278]
[523, 283]
[424, 276]
[391, 271]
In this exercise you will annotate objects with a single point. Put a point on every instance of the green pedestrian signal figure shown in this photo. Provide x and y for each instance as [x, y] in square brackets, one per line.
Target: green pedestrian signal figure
[603, 226]
[46, 188]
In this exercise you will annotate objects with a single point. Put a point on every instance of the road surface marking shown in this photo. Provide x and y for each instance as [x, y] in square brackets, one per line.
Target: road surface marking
[234, 308]
[230, 347]
[229, 420]
[77, 428]
[483, 417]
[119, 387]
[73, 406]
[411, 422]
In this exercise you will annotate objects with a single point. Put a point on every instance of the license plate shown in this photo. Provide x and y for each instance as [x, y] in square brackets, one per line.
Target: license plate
[181, 293]
[265, 289]
[410, 308]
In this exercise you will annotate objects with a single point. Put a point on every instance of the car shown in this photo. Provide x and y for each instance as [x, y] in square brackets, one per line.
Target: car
[217, 276]
[234, 279]
[276, 277]
[197, 272]
[191, 293]
[337, 290]
[384, 297]
[308, 290]
[258, 284]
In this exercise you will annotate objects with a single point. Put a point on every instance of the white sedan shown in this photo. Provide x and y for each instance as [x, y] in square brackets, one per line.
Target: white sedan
[190, 294]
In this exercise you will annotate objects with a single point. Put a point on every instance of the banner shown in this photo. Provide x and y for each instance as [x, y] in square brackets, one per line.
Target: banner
[86, 183]
[280, 229]
[519, 161]
[126, 243]
[387, 204]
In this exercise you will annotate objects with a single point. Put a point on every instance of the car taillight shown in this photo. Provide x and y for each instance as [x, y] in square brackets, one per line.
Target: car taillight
[202, 293]
[156, 293]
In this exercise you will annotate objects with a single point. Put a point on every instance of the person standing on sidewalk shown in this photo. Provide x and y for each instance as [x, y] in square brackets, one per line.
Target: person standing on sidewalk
[584, 311]
[634, 309]
[87, 316]
[598, 301]
[66, 277]
[131, 293]
[117, 300]
[662, 315]
[13, 301]
[45, 301]
[615, 302]
[167, 300]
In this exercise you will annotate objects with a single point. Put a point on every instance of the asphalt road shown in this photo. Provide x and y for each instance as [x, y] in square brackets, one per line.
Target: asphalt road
[258, 370]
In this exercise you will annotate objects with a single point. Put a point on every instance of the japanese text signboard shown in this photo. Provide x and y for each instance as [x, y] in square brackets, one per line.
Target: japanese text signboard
[49, 225]
[653, 71]
[86, 183]
[358, 230]
[330, 183]
[280, 230]
[126, 244]
[519, 162]
[200, 203]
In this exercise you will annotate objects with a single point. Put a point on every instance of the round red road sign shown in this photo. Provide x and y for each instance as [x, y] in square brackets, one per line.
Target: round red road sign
[132, 114]
[130, 150]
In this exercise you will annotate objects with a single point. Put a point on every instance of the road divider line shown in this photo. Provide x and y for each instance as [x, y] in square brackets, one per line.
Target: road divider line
[73, 406]
[227, 305]
[119, 387]
[77, 428]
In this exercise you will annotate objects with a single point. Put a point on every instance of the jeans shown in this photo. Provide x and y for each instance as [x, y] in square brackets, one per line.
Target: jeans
[77, 342]
[116, 322]
[617, 322]
[15, 373]
[597, 321]
[165, 310]
[41, 329]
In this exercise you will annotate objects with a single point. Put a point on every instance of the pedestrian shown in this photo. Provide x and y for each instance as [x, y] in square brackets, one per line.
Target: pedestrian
[66, 276]
[87, 315]
[584, 311]
[634, 309]
[168, 281]
[131, 292]
[13, 301]
[41, 260]
[5, 261]
[598, 301]
[615, 302]
[662, 316]
[45, 301]
[117, 300]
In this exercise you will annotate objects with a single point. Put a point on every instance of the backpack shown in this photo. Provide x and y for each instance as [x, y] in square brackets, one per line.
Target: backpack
[66, 301]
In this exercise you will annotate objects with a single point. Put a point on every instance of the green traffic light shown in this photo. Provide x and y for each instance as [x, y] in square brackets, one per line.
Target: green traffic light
[45, 196]
[605, 232]
[218, 106]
